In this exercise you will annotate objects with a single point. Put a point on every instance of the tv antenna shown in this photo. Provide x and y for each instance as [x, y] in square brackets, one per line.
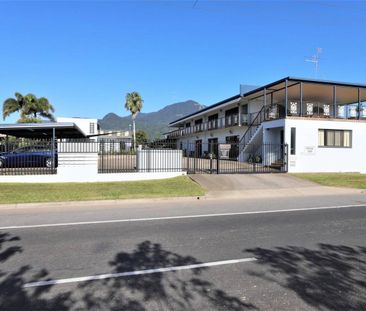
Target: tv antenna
[315, 60]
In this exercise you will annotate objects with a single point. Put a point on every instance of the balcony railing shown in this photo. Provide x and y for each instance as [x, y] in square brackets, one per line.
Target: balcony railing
[219, 123]
[319, 110]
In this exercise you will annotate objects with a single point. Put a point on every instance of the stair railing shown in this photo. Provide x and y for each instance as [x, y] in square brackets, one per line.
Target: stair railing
[258, 119]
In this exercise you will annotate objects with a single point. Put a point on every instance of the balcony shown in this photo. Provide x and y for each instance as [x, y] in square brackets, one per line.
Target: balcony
[219, 123]
[317, 110]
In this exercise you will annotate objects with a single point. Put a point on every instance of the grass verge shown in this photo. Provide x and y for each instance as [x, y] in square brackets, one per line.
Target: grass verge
[349, 180]
[56, 192]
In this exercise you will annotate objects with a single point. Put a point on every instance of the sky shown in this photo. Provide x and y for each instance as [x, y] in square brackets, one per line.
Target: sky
[84, 56]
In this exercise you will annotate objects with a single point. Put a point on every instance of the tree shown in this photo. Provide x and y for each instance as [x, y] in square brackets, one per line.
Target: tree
[134, 104]
[141, 137]
[31, 108]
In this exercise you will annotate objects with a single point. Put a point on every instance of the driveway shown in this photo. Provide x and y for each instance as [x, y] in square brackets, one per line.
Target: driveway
[267, 185]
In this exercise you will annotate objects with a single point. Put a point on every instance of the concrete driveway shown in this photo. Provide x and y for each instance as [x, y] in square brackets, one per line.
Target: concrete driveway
[263, 185]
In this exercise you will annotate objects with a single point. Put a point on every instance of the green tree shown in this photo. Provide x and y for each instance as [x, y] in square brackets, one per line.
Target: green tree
[30, 108]
[141, 137]
[134, 104]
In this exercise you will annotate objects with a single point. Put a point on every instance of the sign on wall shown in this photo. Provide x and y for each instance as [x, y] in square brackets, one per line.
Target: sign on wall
[224, 150]
[309, 150]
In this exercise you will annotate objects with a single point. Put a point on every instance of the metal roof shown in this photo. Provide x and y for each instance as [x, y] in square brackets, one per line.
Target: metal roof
[296, 79]
[259, 89]
[42, 130]
[207, 108]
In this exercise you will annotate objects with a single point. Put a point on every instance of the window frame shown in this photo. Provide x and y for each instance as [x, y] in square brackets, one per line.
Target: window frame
[293, 141]
[91, 128]
[334, 132]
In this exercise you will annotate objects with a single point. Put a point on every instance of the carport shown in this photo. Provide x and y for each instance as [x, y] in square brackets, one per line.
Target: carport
[42, 130]
[30, 148]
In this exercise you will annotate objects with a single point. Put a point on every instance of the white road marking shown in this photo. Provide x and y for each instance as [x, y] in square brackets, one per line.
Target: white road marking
[135, 273]
[178, 217]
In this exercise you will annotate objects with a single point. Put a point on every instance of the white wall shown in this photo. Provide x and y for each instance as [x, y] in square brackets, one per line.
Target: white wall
[74, 166]
[311, 158]
[159, 159]
[82, 123]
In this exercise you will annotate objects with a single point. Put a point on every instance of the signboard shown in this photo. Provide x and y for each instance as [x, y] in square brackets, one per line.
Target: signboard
[224, 150]
[309, 150]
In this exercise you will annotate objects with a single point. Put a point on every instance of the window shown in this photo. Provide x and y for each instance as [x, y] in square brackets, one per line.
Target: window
[293, 140]
[213, 146]
[213, 121]
[335, 138]
[198, 125]
[91, 128]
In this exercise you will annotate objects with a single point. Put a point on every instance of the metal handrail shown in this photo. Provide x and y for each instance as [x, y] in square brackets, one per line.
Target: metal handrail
[261, 116]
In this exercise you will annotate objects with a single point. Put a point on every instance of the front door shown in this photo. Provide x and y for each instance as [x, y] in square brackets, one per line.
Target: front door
[234, 142]
[213, 146]
[282, 141]
[198, 153]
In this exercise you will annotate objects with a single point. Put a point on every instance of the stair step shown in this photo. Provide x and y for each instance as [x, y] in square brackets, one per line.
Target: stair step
[278, 164]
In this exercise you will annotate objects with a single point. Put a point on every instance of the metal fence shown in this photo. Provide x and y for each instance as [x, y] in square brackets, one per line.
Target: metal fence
[34, 157]
[28, 157]
[233, 158]
[158, 156]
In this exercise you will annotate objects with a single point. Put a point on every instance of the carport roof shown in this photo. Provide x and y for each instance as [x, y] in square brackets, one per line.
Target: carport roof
[42, 130]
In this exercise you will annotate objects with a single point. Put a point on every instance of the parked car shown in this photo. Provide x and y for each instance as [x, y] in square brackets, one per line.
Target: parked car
[29, 156]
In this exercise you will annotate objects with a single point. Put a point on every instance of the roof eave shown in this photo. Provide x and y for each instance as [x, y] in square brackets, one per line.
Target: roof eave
[218, 104]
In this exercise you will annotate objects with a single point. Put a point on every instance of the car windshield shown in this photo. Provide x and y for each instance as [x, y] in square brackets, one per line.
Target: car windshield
[32, 149]
[23, 149]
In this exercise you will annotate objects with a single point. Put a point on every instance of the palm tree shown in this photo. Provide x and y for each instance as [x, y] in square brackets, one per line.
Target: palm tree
[134, 104]
[31, 108]
[12, 105]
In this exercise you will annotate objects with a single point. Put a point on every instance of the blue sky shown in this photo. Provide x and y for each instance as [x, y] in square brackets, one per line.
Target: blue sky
[86, 55]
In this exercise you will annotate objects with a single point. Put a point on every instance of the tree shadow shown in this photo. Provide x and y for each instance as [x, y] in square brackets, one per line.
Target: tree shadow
[180, 290]
[331, 277]
[12, 294]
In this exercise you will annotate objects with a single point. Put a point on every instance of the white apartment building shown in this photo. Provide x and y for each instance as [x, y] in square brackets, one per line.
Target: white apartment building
[303, 125]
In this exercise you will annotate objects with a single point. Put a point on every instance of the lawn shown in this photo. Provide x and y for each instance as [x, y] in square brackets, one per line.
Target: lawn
[349, 180]
[26, 193]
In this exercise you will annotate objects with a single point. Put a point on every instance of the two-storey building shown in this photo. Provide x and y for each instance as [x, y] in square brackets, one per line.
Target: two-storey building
[316, 126]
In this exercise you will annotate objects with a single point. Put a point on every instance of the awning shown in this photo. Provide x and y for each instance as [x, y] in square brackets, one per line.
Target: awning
[42, 130]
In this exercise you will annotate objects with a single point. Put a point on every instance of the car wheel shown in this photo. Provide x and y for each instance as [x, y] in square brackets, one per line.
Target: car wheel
[2, 164]
[49, 162]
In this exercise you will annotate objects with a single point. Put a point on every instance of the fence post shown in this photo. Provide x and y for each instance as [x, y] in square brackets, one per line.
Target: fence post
[218, 159]
[53, 148]
[210, 155]
[187, 154]
[286, 158]
[194, 158]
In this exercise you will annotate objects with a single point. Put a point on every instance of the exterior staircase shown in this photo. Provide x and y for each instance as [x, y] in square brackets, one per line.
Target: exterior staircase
[253, 137]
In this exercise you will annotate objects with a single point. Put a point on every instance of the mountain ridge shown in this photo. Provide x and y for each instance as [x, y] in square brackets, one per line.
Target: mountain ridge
[155, 124]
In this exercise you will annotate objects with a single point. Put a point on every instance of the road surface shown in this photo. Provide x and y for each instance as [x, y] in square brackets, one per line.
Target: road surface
[279, 254]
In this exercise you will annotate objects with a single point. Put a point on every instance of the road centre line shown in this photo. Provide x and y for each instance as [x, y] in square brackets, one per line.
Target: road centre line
[136, 273]
[179, 217]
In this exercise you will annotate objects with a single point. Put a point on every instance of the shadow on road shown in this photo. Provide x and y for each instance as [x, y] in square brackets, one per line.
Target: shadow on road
[332, 277]
[158, 291]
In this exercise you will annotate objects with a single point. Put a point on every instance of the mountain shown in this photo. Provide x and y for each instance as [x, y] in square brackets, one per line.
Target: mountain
[153, 123]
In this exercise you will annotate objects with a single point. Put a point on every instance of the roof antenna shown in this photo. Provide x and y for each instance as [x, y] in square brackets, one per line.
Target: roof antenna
[315, 60]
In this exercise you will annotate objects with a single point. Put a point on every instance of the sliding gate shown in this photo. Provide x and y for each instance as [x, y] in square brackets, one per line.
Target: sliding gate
[233, 158]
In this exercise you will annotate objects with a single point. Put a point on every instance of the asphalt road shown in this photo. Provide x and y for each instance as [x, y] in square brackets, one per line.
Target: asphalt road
[303, 259]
